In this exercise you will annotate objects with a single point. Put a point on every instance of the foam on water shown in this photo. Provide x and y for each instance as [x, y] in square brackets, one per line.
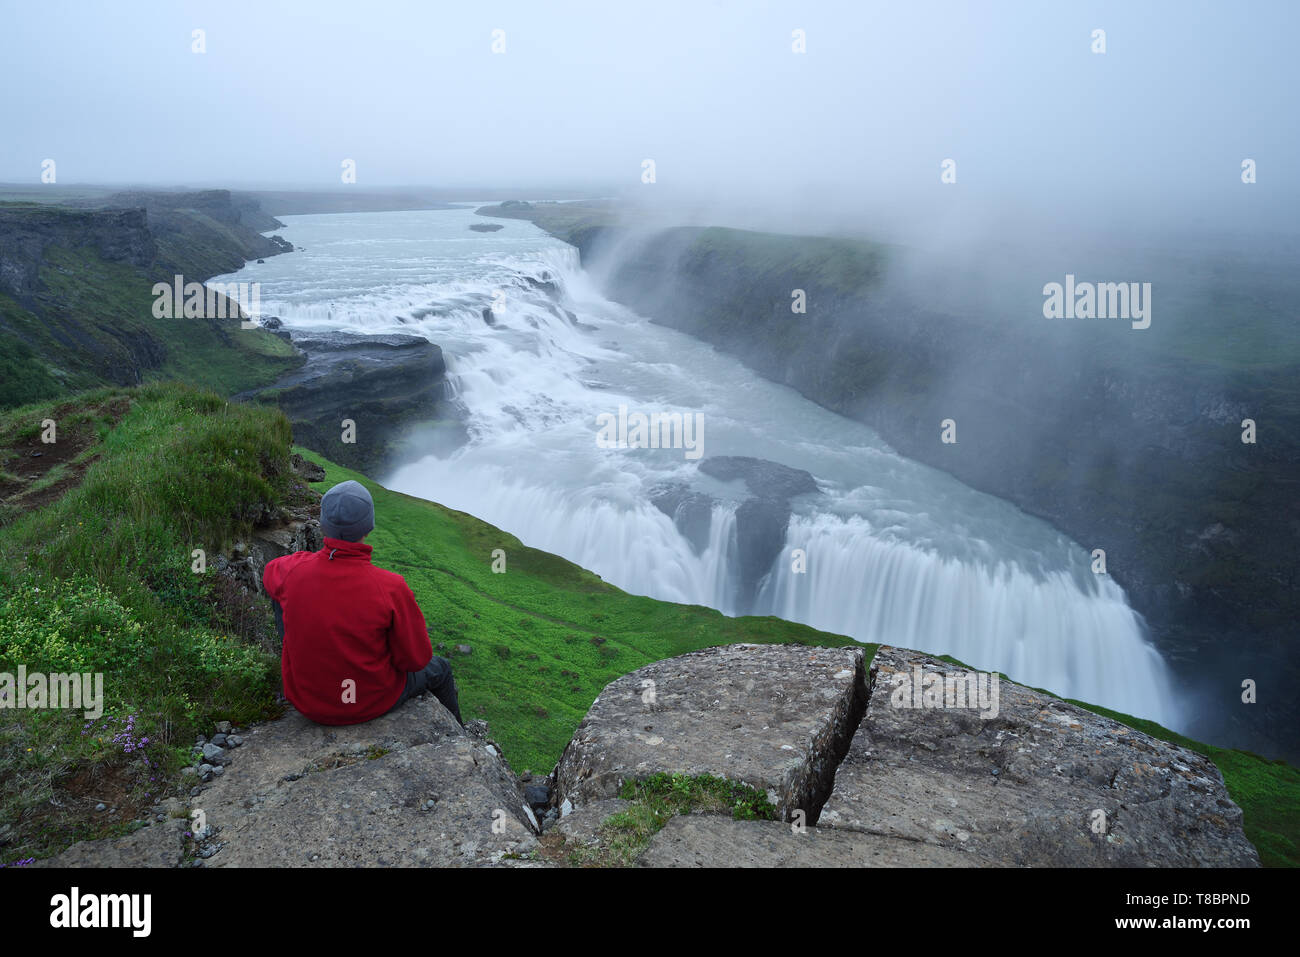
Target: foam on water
[896, 552]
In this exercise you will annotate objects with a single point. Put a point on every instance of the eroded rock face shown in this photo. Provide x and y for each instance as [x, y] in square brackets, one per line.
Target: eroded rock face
[1043, 783]
[386, 385]
[775, 717]
[412, 788]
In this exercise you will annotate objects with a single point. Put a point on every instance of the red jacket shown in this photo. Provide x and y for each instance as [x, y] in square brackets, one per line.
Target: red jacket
[345, 619]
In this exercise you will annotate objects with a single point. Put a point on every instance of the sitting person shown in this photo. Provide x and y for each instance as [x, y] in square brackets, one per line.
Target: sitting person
[355, 645]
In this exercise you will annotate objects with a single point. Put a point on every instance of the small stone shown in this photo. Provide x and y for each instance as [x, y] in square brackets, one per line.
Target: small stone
[223, 727]
[101, 806]
[219, 740]
[189, 771]
[537, 795]
[464, 650]
[211, 751]
[195, 791]
[566, 808]
[218, 771]
[234, 741]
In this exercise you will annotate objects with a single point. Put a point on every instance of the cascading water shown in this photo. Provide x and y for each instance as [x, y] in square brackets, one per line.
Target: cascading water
[895, 552]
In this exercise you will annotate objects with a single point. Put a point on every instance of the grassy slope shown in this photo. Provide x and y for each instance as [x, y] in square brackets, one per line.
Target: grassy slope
[91, 322]
[111, 560]
[100, 581]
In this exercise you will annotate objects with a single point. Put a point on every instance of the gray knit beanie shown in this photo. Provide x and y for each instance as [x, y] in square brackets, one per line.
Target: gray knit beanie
[347, 512]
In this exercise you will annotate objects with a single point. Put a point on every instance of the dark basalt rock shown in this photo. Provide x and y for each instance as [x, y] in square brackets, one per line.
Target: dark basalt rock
[763, 478]
[389, 386]
[691, 512]
[761, 521]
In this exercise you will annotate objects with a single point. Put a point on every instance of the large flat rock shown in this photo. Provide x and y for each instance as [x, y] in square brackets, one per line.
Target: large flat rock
[775, 717]
[694, 840]
[158, 845]
[300, 794]
[1024, 787]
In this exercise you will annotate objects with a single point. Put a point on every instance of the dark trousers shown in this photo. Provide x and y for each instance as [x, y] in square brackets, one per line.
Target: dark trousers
[437, 679]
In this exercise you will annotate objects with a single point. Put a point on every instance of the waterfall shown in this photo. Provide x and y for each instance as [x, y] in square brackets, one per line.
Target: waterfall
[897, 552]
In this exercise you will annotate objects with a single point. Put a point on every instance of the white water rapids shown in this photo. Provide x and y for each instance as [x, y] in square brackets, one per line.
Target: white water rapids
[896, 552]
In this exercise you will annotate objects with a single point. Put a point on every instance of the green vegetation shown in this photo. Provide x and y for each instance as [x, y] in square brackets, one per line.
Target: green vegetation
[98, 578]
[88, 320]
[655, 800]
[108, 308]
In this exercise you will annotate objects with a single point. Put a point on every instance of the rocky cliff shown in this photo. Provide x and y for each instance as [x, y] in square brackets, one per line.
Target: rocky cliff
[76, 299]
[392, 388]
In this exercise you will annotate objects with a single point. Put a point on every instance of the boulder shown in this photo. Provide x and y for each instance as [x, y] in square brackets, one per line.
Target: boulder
[1042, 783]
[775, 717]
[411, 788]
[764, 479]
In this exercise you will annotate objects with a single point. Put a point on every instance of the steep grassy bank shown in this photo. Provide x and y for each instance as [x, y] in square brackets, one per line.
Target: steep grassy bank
[96, 575]
[76, 300]
[1127, 440]
[96, 555]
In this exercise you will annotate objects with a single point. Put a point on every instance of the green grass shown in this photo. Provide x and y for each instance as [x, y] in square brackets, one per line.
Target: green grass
[100, 581]
[183, 469]
[89, 321]
[654, 801]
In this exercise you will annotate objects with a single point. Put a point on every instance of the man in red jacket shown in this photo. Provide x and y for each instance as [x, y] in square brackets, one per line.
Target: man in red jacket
[355, 643]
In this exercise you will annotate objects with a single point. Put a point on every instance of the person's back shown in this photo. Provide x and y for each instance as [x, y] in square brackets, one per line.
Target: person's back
[355, 643]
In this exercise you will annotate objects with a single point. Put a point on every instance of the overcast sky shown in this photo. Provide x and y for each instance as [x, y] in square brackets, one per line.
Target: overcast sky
[1158, 125]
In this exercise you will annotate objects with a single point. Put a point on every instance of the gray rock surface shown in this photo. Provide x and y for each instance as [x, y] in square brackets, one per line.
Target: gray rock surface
[158, 845]
[775, 717]
[583, 825]
[1028, 786]
[696, 840]
[359, 795]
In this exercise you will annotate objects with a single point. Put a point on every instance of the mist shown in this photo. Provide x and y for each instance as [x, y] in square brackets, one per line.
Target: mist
[849, 136]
